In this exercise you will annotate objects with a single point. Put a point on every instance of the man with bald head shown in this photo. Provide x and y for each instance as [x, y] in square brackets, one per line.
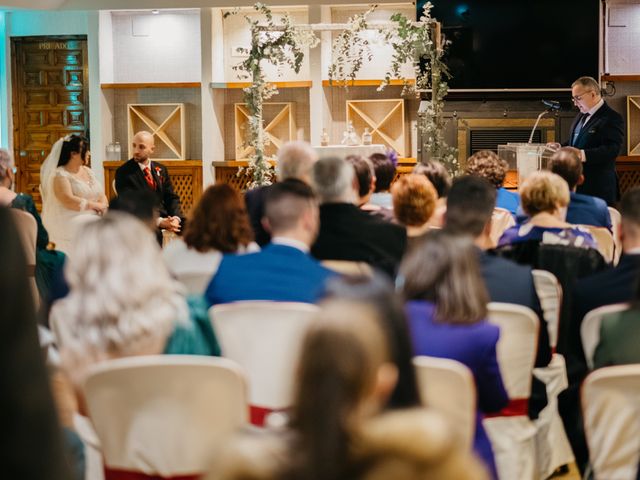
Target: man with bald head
[140, 173]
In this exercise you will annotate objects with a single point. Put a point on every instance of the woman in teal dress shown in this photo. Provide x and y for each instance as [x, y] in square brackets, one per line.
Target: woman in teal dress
[47, 261]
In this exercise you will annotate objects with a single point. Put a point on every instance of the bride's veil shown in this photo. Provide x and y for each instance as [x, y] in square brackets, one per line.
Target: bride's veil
[47, 174]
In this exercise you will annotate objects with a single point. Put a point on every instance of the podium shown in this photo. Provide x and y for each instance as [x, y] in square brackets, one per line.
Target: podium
[525, 158]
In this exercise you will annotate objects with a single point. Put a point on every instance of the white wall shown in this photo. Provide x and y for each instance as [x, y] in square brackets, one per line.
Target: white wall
[237, 34]
[382, 51]
[156, 48]
[623, 38]
[4, 83]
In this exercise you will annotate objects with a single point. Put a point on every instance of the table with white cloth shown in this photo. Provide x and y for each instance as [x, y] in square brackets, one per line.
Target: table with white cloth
[343, 151]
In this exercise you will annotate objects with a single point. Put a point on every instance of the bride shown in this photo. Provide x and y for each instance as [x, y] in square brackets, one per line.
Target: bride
[71, 194]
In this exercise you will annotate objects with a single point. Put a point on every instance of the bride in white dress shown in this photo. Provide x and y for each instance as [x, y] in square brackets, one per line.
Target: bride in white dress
[71, 194]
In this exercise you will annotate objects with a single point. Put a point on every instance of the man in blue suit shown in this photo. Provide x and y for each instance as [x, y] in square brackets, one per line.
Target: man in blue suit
[597, 132]
[583, 209]
[283, 270]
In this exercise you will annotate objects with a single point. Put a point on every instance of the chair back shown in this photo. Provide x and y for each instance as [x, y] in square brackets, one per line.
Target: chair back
[28, 231]
[164, 415]
[616, 219]
[348, 267]
[264, 338]
[549, 292]
[611, 410]
[590, 328]
[604, 239]
[194, 282]
[448, 386]
[516, 349]
[501, 219]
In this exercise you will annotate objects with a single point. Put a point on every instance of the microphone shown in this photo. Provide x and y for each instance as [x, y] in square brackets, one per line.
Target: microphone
[551, 104]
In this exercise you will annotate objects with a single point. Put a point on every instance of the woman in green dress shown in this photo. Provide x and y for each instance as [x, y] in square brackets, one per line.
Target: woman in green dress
[48, 261]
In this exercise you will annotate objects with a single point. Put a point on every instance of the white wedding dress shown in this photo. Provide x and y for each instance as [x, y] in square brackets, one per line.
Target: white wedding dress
[62, 222]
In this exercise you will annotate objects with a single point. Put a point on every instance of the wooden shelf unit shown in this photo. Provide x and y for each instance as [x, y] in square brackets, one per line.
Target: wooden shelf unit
[372, 82]
[280, 127]
[118, 86]
[385, 119]
[166, 121]
[232, 85]
[633, 125]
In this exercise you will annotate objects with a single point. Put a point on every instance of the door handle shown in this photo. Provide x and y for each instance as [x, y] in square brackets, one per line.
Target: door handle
[23, 153]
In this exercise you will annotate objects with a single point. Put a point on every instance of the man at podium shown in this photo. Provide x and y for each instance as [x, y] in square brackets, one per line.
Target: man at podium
[597, 132]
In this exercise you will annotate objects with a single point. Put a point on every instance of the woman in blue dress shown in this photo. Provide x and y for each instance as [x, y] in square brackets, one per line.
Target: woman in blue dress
[446, 304]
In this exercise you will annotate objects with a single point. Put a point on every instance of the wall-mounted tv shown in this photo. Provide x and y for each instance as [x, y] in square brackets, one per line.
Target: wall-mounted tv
[519, 44]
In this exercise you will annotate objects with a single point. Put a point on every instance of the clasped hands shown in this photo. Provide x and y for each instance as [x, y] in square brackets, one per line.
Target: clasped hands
[172, 224]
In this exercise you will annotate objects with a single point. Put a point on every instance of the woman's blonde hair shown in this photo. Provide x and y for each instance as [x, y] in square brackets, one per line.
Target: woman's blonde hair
[122, 298]
[543, 191]
[414, 200]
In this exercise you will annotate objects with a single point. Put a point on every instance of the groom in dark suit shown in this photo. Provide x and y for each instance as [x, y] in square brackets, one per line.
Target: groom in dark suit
[597, 132]
[140, 173]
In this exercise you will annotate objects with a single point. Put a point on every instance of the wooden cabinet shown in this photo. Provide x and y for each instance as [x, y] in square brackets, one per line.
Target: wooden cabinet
[385, 119]
[280, 127]
[166, 121]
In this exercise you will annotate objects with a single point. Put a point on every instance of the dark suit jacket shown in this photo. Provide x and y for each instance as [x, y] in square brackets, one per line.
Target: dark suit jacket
[509, 282]
[348, 233]
[254, 200]
[278, 272]
[619, 335]
[601, 140]
[588, 210]
[130, 177]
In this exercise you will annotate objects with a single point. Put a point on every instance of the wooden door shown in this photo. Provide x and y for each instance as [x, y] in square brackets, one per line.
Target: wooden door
[50, 100]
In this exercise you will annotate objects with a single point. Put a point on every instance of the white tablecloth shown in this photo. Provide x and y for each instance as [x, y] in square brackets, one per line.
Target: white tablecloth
[342, 151]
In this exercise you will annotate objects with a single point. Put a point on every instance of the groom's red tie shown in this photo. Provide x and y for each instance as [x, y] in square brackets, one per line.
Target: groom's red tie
[149, 178]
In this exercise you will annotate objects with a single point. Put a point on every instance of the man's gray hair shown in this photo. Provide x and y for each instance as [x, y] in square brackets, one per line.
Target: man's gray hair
[333, 180]
[589, 83]
[295, 160]
[6, 162]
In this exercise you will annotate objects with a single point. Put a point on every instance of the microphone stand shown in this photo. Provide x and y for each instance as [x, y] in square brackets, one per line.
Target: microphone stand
[536, 124]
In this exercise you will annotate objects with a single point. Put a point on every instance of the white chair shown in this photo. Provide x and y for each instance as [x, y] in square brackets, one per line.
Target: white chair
[604, 239]
[347, 267]
[264, 338]
[194, 282]
[511, 432]
[164, 415]
[28, 231]
[616, 219]
[611, 409]
[501, 219]
[552, 445]
[448, 387]
[590, 328]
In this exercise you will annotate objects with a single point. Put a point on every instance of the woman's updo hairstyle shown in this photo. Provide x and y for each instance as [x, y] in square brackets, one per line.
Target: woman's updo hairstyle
[73, 144]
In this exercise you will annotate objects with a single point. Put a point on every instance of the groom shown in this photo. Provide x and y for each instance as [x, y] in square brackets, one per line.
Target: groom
[140, 173]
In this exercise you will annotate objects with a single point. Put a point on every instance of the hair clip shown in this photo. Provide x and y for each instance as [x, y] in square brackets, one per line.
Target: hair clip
[68, 137]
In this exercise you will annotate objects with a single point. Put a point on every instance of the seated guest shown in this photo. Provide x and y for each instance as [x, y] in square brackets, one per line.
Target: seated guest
[379, 293]
[545, 197]
[346, 232]
[294, 161]
[439, 177]
[48, 261]
[31, 437]
[583, 209]
[384, 168]
[344, 377]
[470, 206]
[366, 185]
[487, 164]
[122, 300]
[447, 310]
[614, 285]
[283, 270]
[414, 201]
[217, 225]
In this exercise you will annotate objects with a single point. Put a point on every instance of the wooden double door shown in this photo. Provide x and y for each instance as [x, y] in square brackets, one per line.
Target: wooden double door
[50, 100]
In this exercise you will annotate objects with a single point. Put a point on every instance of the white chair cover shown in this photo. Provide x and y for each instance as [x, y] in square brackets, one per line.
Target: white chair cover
[552, 445]
[195, 282]
[513, 436]
[590, 328]
[347, 267]
[264, 338]
[501, 219]
[604, 239]
[611, 409]
[616, 219]
[448, 386]
[164, 414]
[28, 231]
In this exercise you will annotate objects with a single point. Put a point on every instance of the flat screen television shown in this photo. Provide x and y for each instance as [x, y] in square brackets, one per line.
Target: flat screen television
[518, 44]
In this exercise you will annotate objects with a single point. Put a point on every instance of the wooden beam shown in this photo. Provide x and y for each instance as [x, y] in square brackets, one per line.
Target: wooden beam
[115, 86]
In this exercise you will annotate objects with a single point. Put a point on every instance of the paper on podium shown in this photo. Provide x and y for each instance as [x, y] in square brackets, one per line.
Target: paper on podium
[525, 158]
